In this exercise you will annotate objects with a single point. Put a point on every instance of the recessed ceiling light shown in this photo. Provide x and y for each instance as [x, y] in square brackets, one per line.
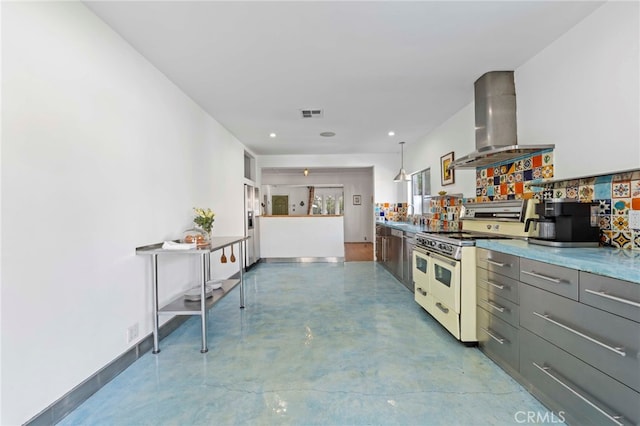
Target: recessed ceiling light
[391, 133]
[327, 134]
[272, 135]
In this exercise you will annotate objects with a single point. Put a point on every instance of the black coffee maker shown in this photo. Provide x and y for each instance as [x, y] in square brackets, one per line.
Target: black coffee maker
[563, 222]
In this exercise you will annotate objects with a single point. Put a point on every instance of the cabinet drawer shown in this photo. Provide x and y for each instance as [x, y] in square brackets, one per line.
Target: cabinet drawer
[497, 284]
[610, 294]
[608, 342]
[585, 395]
[498, 339]
[498, 306]
[556, 279]
[502, 263]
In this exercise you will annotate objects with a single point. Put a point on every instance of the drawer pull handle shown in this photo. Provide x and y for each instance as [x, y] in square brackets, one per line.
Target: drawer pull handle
[502, 265]
[442, 308]
[544, 277]
[617, 299]
[619, 350]
[491, 283]
[497, 339]
[421, 291]
[546, 370]
[494, 306]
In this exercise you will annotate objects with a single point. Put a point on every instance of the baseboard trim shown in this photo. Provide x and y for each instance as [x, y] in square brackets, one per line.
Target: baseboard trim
[303, 259]
[76, 396]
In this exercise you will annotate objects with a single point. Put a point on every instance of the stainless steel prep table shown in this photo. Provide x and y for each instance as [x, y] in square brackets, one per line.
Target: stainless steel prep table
[179, 306]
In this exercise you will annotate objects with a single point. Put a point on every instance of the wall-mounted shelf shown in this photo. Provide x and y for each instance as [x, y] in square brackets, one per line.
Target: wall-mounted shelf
[617, 175]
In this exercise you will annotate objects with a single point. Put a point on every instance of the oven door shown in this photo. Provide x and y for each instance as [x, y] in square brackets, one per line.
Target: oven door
[420, 274]
[444, 280]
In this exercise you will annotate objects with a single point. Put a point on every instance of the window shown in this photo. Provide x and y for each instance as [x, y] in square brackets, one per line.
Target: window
[328, 200]
[317, 204]
[420, 187]
[331, 204]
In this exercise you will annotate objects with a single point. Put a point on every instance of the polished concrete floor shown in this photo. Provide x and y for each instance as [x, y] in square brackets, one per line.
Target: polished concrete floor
[318, 344]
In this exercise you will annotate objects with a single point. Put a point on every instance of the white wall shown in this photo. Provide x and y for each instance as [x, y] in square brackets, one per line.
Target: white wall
[100, 154]
[457, 135]
[581, 93]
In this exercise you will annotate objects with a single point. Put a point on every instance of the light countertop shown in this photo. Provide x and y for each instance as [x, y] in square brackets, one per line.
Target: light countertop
[298, 216]
[403, 226]
[623, 264]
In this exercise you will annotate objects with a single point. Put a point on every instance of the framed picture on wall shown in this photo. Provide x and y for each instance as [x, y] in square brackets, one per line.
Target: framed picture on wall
[446, 175]
[357, 200]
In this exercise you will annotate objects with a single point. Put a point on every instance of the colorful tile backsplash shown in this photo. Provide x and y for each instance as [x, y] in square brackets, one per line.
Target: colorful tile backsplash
[396, 212]
[443, 213]
[616, 195]
[522, 178]
[511, 180]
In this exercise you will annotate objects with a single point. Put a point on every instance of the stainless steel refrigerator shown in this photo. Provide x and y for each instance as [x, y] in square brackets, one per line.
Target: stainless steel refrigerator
[251, 226]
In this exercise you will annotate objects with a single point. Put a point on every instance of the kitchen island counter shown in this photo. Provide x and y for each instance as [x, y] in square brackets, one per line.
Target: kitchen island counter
[623, 264]
[302, 238]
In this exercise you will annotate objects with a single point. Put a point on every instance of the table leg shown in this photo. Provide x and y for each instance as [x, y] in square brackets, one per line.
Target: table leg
[241, 262]
[208, 266]
[154, 291]
[203, 301]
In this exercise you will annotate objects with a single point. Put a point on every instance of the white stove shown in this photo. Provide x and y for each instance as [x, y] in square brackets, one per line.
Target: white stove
[444, 264]
[446, 243]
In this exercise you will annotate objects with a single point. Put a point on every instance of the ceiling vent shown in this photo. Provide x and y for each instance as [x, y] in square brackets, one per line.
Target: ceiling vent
[311, 113]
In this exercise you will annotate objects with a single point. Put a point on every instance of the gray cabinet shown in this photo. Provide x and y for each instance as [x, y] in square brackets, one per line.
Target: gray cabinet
[612, 295]
[407, 260]
[500, 307]
[389, 244]
[501, 263]
[608, 342]
[497, 307]
[496, 284]
[394, 255]
[382, 232]
[498, 340]
[553, 278]
[571, 337]
[578, 354]
[581, 393]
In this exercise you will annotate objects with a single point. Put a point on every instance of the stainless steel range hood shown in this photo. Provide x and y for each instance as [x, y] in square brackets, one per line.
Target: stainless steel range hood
[496, 133]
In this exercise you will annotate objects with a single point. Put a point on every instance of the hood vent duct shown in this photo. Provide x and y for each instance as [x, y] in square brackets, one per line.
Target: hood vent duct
[496, 132]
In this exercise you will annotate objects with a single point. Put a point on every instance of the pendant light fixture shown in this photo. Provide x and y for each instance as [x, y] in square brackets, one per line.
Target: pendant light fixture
[402, 176]
[306, 172]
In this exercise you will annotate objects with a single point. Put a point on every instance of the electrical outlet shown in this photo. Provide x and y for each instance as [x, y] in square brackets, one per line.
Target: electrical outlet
[365, 238]
[634, 219]
[132, 333]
